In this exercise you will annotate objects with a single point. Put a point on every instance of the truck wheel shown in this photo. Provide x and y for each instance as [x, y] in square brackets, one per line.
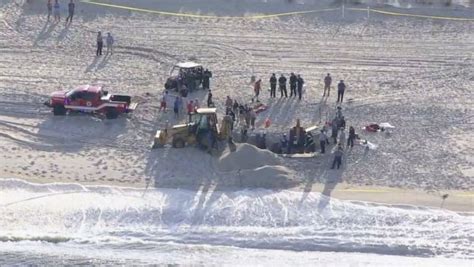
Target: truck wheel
[178, 143]
[59, 110]
[111, 113]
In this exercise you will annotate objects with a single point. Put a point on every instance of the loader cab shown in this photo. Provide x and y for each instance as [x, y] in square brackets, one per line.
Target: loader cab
[204, 118]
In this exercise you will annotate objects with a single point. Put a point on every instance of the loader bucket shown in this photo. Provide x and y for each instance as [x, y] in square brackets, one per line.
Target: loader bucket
[160, 139]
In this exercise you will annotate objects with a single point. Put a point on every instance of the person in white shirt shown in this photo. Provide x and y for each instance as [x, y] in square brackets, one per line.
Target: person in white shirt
[110, 43]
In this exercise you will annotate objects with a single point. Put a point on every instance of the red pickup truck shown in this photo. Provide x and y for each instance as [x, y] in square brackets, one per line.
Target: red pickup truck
[90, 99]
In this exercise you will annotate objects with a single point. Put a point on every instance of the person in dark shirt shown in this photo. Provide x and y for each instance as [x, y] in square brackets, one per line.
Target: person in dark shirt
[300, 83]
[273, 84]
[49, 5]
[282, 83]
[293, 80]
[71, 6]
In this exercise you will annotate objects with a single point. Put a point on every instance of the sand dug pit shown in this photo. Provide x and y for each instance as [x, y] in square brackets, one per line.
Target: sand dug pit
[246, 157]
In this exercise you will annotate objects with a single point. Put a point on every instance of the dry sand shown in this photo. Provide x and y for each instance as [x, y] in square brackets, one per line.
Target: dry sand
[391, 76]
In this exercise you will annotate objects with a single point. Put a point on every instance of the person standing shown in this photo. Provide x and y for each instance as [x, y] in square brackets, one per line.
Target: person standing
[209, 99]
[282, 83]
[190, 109]
[164, 98]
[334, 130]
[228, 102]
[338, 157]
[252, 117]
[49, 5]
[273, 84]
[293, 81]
[110, 43]
[176, 107]
[70, 7]
[327, 84]
[342, 137]
[100, 44]
[256, 88]
[322, 141]
[341, 87]
[300, 86]
[352, 137]
[57, 11]
[196, 105]
[206, 77]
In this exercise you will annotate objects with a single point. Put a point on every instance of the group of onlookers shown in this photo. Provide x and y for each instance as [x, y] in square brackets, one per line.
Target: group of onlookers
[295, 81]
[55, 9]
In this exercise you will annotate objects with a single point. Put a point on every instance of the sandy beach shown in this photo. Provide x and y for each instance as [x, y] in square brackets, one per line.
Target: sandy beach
[413, 72]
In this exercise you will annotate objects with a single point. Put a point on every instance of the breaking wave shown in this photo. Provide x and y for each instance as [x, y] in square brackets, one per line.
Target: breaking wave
[124, 218]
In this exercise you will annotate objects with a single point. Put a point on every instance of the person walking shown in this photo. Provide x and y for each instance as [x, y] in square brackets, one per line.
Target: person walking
[70, 7]
[273, 84]
[282, 83]
[338, 157]
[293, 80]
[110, 43]
[256, 88]
[100, 44]
[300, 86]
[352, 137]
[57, 11]
[327, 84]
[49, 5]
[341, 87]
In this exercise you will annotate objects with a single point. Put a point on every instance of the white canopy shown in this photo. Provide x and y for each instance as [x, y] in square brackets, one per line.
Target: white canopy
[188, 65]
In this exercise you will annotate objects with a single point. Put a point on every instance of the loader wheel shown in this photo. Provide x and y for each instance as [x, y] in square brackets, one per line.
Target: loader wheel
[59, 110]
[111, 113]
[178, 143]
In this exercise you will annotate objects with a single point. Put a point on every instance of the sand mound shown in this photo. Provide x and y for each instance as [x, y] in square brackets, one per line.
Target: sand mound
[254, 167]
[268, 177]
[246, 157]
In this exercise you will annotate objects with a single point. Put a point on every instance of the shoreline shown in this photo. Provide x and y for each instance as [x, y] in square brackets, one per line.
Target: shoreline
[457, 201]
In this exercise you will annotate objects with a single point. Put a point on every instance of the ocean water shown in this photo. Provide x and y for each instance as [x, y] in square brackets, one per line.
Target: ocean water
[75, 224]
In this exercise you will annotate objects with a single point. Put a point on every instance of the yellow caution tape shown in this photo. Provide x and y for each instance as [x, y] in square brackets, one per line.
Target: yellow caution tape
[166, 13]
[176, 14]
[410, 15]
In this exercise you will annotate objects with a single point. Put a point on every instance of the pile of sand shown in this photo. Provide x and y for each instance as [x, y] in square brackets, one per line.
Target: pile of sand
[246, 157]
[254, 167]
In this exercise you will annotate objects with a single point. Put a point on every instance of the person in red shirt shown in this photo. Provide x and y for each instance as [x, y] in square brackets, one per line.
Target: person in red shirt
[190, 108]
